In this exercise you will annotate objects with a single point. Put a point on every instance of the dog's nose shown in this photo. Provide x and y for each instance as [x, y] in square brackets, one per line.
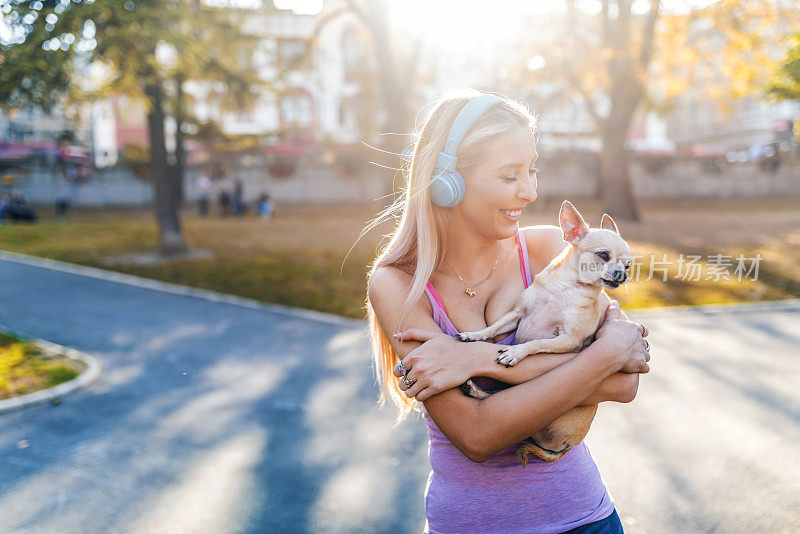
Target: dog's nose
[620, 276]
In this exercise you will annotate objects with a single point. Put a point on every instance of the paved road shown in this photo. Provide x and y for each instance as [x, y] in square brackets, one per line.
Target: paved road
[214, 417]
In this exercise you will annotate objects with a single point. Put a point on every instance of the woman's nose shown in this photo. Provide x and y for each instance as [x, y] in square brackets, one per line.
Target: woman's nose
[528, 190]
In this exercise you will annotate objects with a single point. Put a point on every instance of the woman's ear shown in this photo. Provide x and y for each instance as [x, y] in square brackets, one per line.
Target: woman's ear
[571, 222]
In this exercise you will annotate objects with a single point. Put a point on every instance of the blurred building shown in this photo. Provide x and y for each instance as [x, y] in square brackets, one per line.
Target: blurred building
[314, 75]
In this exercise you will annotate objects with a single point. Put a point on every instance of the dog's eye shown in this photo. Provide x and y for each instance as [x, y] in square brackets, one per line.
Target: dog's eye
[603, 255]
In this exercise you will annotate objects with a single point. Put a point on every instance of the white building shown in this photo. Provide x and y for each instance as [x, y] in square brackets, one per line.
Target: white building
[312, 81]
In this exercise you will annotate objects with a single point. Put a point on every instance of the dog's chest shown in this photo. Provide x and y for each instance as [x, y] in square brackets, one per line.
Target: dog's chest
[549, 313]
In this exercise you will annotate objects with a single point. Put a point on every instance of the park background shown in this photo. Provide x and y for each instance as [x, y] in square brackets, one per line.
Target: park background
[681, 119]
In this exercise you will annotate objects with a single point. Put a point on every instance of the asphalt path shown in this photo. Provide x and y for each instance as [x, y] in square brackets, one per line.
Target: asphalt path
[224, 417]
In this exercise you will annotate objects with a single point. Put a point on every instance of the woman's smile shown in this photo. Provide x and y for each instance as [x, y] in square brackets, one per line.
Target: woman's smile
[512, 215]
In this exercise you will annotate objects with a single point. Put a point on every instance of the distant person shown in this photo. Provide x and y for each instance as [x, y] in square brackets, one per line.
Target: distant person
[3, 204]
[264, 206]
[62, 207]
[203, 194]
[224, 200]
[239, 206]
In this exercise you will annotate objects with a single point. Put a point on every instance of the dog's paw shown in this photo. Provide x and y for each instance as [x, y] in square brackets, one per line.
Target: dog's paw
[469, 336]
[510, 356]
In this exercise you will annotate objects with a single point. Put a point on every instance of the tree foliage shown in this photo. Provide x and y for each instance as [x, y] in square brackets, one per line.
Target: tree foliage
[785, 81]
[146, 49]
[724, 52]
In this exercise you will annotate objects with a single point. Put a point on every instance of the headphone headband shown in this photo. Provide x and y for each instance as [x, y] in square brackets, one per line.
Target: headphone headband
[471, 112]
[447, 186]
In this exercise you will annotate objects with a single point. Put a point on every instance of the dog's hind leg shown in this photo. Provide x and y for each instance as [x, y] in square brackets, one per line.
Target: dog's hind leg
[503, 325]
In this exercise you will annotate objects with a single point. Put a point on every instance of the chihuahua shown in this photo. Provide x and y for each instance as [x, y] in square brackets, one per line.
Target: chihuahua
[559, 312]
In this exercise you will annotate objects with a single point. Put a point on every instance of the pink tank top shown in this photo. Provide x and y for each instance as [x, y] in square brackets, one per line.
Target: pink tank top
[499, 495]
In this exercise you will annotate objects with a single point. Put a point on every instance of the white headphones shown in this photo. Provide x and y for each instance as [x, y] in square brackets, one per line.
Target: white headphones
[447, 184]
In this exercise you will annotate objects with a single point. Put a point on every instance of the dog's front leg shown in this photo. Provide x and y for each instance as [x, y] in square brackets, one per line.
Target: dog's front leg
[511, 355]
[504, 324]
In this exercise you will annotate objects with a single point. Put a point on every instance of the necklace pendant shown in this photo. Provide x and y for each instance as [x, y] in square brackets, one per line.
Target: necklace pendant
[469, 292]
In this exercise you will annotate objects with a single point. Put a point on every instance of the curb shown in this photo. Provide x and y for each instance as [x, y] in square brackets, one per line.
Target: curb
[177, 289]
[313, 315]
[711, 309]
[81, 381]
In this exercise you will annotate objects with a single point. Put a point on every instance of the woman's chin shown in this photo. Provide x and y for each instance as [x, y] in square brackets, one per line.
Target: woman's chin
[508, 230]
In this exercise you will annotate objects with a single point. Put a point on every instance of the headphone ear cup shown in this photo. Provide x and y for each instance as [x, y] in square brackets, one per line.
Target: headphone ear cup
[447, 189]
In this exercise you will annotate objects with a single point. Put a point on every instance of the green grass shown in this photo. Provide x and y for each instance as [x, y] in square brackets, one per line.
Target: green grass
[24, 369]
[297, 258]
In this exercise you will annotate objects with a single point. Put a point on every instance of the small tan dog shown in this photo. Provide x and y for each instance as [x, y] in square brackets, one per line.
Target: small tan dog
[559, 312]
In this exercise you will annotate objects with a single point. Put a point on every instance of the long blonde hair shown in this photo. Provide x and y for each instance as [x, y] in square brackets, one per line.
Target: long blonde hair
[422, 234]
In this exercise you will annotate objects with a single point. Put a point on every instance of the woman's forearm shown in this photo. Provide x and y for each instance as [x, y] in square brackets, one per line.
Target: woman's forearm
[513, 414]
[619, 387]
[526, 369]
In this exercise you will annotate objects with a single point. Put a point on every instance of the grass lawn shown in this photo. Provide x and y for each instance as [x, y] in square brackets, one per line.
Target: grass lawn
[24, 369]
[298, 257]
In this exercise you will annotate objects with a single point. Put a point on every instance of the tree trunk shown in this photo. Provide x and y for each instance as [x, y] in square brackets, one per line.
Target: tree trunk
[165, 184]
[614, 176]
[614, 173]
[625, 93]
[180, 149]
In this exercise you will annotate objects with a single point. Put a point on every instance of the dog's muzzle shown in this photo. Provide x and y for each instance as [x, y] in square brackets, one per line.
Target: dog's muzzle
[618, 278]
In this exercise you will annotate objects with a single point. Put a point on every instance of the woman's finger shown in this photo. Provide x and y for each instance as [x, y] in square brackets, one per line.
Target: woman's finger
[416, 334]
[415, 388]
[612, 312]
[425, 394]
[399, 369]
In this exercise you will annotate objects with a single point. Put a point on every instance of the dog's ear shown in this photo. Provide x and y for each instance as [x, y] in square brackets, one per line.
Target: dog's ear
[572, 224]
[608, 223]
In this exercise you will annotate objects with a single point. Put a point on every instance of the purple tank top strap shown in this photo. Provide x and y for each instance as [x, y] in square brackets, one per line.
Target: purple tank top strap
[439, 313]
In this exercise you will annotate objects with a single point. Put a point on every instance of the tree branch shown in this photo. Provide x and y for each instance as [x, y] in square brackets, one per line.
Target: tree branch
[648, 34]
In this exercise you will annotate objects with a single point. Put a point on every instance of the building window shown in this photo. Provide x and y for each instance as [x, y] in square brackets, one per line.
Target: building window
[293, 54]
[297, 110]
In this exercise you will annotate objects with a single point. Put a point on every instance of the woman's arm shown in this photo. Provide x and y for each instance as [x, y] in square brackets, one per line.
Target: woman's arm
[481, 361]
[619, 387]
[481, 428]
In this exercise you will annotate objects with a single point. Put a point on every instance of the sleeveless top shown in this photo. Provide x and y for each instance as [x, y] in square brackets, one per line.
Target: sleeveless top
[499, 495]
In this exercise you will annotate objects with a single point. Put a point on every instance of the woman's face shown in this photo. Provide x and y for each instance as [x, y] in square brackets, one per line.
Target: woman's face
[500, 186]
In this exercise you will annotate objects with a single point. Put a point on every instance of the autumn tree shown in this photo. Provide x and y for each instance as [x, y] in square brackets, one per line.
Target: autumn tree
[53, 42]
[785, 82]
[601, 59]
[630, 55]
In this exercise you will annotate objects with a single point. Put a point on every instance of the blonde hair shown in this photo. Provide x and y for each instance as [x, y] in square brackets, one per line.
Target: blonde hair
[422, 234]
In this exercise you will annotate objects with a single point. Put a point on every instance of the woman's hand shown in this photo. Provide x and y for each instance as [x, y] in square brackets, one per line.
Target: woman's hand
[625, 340]
[437, 365]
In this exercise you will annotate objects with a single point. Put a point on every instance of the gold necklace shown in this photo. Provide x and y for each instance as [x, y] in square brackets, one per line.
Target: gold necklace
[468, 290]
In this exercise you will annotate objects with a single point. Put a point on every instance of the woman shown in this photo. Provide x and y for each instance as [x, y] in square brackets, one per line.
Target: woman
[461, 245]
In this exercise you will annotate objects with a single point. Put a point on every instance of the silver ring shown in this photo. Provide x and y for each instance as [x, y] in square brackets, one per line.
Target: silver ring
[401, 367]
[646, 345]
[407, 382]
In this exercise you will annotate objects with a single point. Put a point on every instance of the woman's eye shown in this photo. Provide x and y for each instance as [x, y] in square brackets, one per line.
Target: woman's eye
[603, 255]
[510, 179]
